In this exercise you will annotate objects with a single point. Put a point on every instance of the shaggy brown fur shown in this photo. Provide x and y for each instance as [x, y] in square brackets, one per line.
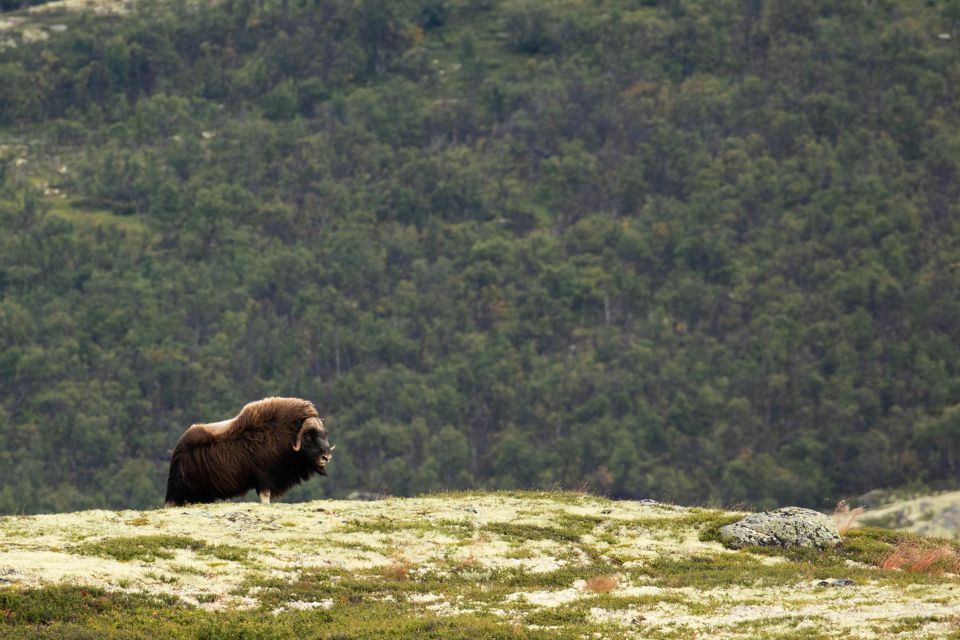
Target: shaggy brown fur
[270, 446]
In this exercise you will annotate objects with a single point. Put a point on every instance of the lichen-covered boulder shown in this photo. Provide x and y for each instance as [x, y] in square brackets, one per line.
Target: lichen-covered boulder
[786, 527]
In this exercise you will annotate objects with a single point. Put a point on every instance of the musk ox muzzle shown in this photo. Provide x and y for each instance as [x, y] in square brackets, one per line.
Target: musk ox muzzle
[312, 441]
[270, 446]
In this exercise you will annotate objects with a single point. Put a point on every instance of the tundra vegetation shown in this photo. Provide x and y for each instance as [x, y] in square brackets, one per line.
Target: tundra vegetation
[459, 565]
[700, 250]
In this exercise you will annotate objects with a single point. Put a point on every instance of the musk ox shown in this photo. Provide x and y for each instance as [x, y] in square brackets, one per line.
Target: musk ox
[270, 446]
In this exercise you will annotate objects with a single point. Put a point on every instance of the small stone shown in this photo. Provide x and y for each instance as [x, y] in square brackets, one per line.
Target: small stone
[840, 582]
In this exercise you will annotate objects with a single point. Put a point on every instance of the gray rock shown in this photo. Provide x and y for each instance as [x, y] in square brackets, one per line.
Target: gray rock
[841, 582]
[786, 527]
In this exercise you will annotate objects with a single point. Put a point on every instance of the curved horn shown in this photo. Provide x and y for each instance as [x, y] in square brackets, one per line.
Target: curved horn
[309, 423]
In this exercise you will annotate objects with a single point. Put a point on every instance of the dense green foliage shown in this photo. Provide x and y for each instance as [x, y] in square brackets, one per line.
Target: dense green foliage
[702, 250]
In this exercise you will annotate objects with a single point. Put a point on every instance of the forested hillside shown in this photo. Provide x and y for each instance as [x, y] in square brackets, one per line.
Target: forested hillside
[689, 249]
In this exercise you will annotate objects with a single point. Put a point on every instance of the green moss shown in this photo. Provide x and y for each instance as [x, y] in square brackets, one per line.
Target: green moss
[556, 616]
[560, 579]
[460, 529]
[138, 521]
[713, 571]
[343, 544]
[149, 548]
[227, 552]
[525, 532]
[75, 612]
[187, 570]
[519, 552]
[68, 604]
[146, 548]
[165, 578]
[905, 625]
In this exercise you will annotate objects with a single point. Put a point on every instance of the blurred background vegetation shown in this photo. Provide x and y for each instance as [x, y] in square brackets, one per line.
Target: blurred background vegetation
[697, 250]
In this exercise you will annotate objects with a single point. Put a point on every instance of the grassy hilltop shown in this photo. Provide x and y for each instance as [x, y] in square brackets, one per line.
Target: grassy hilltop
[495, 565]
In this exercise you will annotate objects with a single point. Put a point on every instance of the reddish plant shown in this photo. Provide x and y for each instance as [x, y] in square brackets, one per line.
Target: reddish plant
[398, 571]
[602, 584]
[910, 556]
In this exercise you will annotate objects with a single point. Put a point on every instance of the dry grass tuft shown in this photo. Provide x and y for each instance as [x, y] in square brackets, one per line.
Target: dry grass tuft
[398, 571]
[844, 516]
[470, 563]
[931, 557]
[602, 584]
[912, 557]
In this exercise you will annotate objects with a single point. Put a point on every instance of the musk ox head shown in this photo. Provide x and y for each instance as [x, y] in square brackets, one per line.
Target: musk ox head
[312, 442]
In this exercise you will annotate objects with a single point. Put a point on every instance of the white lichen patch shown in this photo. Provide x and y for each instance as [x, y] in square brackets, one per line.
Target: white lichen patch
[300, 605]
[445, 608]
[638, 591]
[539, 556]
[424, 598]
[32, 568]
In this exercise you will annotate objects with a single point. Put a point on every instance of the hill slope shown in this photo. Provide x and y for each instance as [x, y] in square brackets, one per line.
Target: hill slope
[929, 515]
[462, 565]
[682, 249]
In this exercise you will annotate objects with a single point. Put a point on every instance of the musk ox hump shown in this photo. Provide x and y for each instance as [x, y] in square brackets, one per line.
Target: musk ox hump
[275, 411]
[218, 427]
[267, 414]
[198, 435]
